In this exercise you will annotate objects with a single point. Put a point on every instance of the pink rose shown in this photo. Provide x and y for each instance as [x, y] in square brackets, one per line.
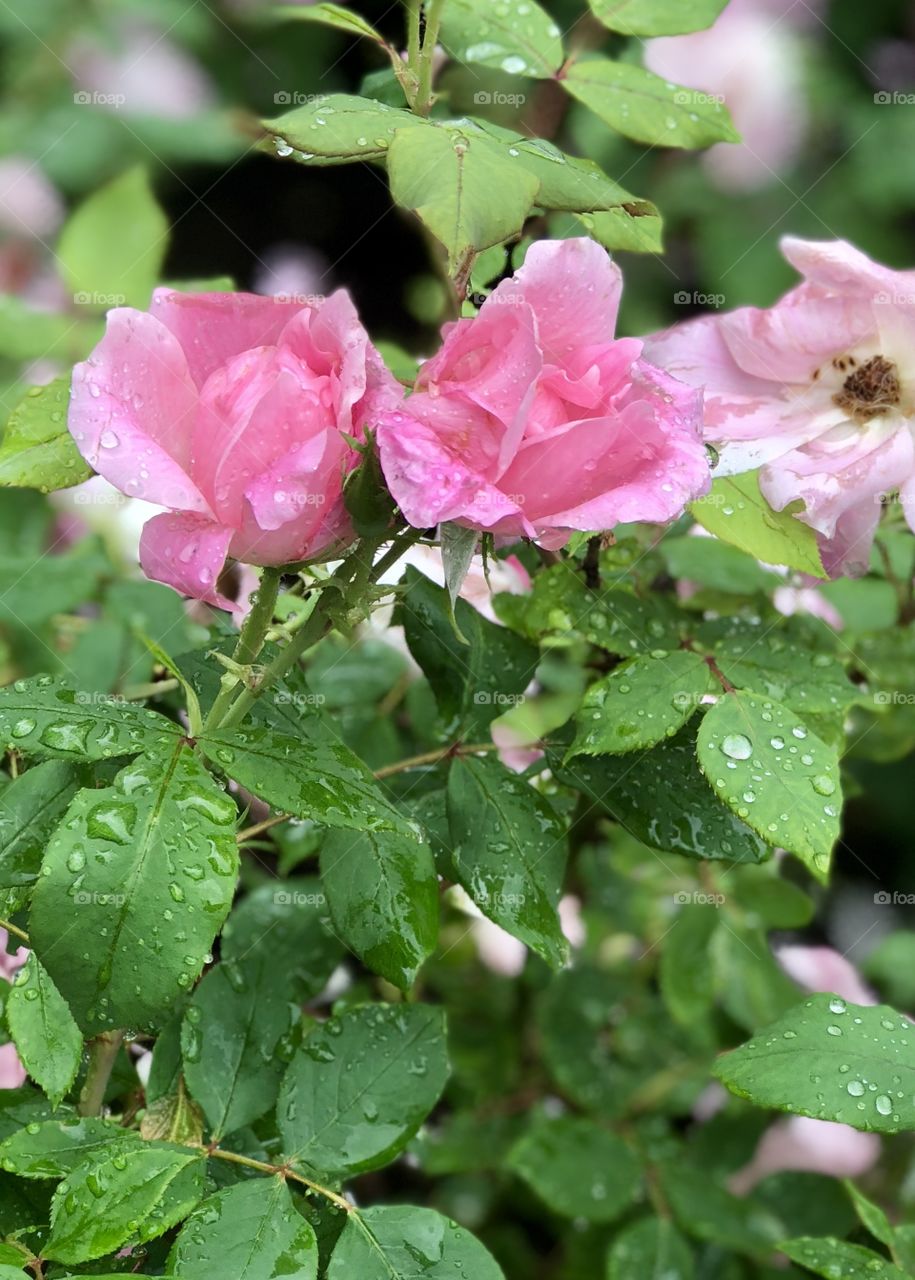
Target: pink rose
[230, 410]
[819, 391]
[533, 421]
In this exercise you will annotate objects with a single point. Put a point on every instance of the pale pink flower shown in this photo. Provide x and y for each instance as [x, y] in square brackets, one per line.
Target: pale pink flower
[752, 59]
[533, 421]
[818, 390]
[12, 1072]
[30, 206]
[806, 1145]
[288, 271]
[824, 969]
[233, 412]
[140, 72]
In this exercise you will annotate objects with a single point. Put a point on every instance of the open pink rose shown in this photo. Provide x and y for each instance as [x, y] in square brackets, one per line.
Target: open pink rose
[532, 420]
[819, 391]
[230, 410]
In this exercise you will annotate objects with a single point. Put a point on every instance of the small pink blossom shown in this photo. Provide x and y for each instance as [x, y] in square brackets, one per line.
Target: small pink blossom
[533, 421]
[232, 411]
[824, 969]
[12, 1072]
[810, 1146]
[751, 57]
[818, 390]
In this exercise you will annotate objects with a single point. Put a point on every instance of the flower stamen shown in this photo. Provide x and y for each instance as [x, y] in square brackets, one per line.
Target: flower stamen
[870, 391]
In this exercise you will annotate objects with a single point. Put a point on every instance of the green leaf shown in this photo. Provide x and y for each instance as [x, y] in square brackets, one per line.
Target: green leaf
[715, 564]
[46, 1036]
[891, 967]
[686, 976]
[829, 1258]
[769, 660]
[753, 988]
[652, 1247]
[112, 248]
[399, 1242]
[640, 703]
[474, 682]
[656, 17]
[645, 107]
[831, 1060]
[575, 1019]
[576, 1168]
[229, 1040]
[360, 1086]
[706, 1211]
[293, 913]
[53, 1148]
[637, 230]
[458, 546]
[382, 890]
[336, 128]
[32, 592]
[570, 183]
[32, 807]
[461, 185]
[509, 852]
[133, 1195]
[663, 800]
[871, 1215]
[146, 868]
[37, 450]
[324, 781]
[563, 607]
[327, 15]
[29, 334]
[517, 36]
[776, 775]
[172, 1117]
[252, 1231]
[45, 717]
[736, 511]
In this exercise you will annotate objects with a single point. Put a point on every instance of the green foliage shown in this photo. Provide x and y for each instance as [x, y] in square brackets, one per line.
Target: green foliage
[252, 1231]
[775, 774]
[736, 512]
[832, 1060]
[37, 451]
[111, 251]
[47, 1039]
[382, 892]
[509, 852]
[360, 1086]
[147, 868]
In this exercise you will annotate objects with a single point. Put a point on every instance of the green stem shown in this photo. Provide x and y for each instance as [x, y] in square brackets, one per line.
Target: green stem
[102, 1055]
[250, 640]
[423, 104]
[436, 757]
[14, 929]
[284, 1171]
[401, 543]
[154, 689]
[352, 577]
[414, 8]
